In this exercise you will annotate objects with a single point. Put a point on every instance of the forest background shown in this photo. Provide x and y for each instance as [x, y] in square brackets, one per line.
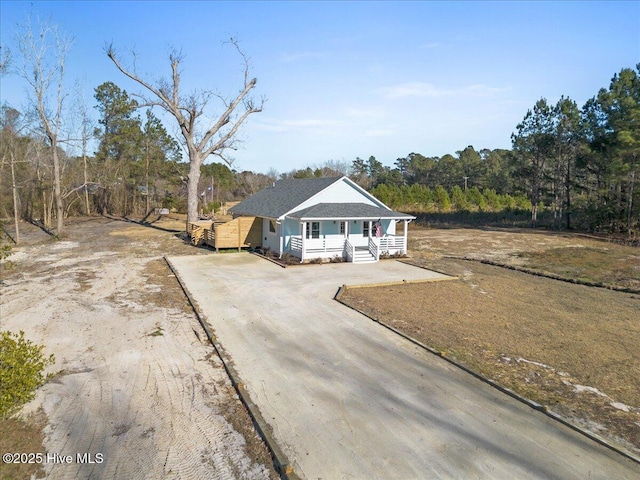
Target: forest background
[570, 166]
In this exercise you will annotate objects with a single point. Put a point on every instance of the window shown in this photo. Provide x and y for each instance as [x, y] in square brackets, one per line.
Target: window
[342, 228]
[365, 228]
[272, 226]
[313, 230]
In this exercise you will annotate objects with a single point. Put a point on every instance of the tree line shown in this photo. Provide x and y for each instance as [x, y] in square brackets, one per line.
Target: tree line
[576, 166]
[568, 166]
[137, 163]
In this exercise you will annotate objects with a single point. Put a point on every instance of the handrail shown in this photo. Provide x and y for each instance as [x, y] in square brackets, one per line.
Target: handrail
[373, 248]
[349, 250]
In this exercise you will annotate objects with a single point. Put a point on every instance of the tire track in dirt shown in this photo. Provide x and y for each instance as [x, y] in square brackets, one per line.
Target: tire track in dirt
[137, 385]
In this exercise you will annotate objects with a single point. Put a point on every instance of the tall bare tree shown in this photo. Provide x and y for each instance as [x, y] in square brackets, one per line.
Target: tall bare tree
[9, 145]
[86, 130]
[201, 137]
[43, 53]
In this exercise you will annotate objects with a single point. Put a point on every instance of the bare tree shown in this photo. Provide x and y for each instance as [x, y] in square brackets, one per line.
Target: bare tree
[43, 55]
[16, 151]
[8, 147]
[86, 130]
[201, 138]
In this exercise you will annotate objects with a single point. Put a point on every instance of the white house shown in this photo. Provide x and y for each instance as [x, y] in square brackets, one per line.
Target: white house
[324, 218]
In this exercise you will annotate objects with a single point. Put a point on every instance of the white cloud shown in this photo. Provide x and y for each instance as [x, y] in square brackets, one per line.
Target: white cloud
[413, 89]
[312, 123]
[429, 46]
[364, 112]
[378, 132]
[422, 89]
[304, 124]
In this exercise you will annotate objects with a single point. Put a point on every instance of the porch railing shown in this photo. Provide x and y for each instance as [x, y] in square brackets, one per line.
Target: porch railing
[373, 247]
[324, 245]
[377, 246]
[296, 245]
[391, 244]
[349, 250]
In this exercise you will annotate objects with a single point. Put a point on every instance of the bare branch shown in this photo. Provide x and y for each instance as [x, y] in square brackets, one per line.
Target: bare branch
[164, 100]
[84, 185]
[228, 160]
[222, 142]
[225, 119]
[5, 60]
[187, 110]
[245, 59]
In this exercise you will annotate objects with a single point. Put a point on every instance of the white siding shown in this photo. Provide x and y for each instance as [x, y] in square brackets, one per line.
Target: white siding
[269, 239]
[340, 192]
[290, 228]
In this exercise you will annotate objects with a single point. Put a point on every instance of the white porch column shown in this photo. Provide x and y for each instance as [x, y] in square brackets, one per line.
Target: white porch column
[304, 236]
[404, 240]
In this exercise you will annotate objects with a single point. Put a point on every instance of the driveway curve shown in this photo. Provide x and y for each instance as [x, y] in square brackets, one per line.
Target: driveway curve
[347, 398]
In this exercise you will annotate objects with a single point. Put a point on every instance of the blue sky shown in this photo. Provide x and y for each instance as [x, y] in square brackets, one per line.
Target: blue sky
[354, 79]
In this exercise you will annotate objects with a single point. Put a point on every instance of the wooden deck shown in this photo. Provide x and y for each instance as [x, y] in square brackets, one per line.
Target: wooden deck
[241, 232]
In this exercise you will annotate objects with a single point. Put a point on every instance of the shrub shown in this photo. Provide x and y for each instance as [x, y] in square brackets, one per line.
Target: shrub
[289, 259]
[22, 366]
[212, 207]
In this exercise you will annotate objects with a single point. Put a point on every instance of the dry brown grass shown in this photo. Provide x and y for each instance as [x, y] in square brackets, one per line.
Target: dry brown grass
[609, 264]
[19, 435]
[498, 321]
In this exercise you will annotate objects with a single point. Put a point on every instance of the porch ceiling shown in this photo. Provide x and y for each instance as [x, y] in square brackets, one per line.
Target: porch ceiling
[347, 211]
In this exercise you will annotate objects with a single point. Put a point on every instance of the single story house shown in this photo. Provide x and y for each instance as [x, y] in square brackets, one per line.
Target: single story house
[326, 217]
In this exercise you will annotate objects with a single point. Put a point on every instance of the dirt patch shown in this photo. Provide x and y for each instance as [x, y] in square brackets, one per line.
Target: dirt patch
[136, 371]
[22, 435]
[570, 347]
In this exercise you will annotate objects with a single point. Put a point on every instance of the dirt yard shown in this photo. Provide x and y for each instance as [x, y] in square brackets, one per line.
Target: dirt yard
[137, 380]
[572, 348]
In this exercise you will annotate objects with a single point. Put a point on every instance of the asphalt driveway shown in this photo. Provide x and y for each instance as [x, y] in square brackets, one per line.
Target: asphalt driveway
[347, 398]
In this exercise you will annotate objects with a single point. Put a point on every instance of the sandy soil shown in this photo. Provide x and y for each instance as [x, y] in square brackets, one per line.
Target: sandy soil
[138, 382]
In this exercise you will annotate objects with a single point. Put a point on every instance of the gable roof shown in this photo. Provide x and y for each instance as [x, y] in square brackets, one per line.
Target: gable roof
[284, 196]
[347, 211]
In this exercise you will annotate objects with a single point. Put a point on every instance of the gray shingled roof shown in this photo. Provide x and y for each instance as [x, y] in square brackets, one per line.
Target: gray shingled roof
[347, 211]
[285, 195]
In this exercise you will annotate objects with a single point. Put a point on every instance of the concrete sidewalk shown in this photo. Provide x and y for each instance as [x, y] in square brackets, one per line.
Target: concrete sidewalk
[347, 398]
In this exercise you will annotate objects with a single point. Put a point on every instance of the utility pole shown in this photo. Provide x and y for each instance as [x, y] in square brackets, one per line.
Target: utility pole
[465, 183]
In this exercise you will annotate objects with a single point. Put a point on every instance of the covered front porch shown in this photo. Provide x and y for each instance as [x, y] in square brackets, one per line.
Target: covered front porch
[355, 240]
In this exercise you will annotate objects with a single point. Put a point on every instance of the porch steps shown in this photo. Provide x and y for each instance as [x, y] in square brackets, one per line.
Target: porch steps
[363, 255]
